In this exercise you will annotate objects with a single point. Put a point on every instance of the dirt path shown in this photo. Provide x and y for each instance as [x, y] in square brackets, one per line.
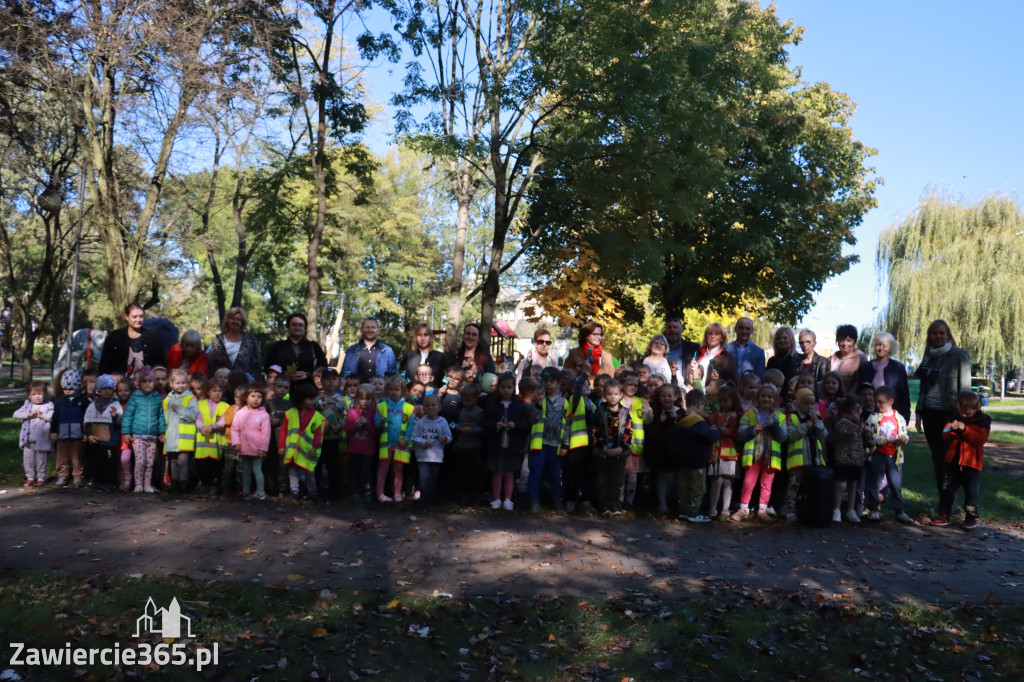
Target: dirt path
[487, 553]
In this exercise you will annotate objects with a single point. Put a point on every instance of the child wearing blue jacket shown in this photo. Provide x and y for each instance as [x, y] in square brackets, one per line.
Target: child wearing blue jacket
[66, 427]
[142, 426]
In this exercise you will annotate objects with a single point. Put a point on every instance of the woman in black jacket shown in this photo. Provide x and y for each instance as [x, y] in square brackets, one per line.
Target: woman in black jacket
[130, 349]
[812, 363]
[886, 370]
[421, 352]
[785, 358]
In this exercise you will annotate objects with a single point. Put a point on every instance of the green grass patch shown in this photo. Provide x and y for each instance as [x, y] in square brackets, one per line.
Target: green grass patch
[1001, 498]
[1005, 415]
[720, 632]
[12, 472]
[1007, 438]
[1006, 402]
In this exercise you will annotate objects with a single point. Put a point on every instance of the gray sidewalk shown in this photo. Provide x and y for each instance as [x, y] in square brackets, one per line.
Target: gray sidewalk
[483, 552]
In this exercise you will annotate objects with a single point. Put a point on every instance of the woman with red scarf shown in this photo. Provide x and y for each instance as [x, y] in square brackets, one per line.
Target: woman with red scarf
[590, 358]
[712, 353]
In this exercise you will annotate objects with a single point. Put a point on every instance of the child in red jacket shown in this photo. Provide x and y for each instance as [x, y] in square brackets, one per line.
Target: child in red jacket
[966, 435]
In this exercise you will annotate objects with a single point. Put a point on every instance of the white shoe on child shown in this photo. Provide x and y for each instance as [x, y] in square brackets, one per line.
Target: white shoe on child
[149, 489]
[837, 516]
[138, 488]
[398, 497]
[495, 504]
[851, 516]
[507, 505]
[740, 515]
[384, 498]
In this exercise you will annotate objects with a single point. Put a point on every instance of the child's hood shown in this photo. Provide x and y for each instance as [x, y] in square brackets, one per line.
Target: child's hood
[690, 420]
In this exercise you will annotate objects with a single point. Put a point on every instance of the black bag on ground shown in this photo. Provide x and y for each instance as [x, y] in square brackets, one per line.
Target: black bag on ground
[815, 498]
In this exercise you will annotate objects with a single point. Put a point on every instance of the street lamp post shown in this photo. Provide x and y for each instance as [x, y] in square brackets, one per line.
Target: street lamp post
[74, 270]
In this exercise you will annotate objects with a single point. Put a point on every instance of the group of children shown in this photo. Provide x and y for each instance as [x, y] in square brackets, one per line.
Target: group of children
[629, 439]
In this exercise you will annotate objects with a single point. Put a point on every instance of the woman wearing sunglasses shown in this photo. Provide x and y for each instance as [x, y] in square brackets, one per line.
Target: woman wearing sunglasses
[540, 354]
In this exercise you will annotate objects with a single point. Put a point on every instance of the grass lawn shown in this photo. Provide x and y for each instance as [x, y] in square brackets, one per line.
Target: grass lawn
[722, 633]
[1006, 402]
[1001, 496]
[1005, 415]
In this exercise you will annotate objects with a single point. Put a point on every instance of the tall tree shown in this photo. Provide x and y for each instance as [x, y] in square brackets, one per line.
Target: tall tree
[486, 107]
[689, 156]
[960, 262]
[327, 105]
[143, 65]
[40, 164]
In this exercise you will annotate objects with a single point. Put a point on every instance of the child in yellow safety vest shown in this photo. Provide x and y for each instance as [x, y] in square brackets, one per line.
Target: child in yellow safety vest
[642, 414]
[763, 430]
[300, 439]
[210, 430]
[180, 412]
[396, 422]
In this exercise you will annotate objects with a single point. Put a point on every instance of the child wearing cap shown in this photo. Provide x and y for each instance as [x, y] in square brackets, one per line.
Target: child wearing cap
[66, 426]
[103, 435]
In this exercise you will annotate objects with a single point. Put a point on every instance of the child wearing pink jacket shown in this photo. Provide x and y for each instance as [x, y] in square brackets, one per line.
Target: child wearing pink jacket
[250, 433]
[363, 442]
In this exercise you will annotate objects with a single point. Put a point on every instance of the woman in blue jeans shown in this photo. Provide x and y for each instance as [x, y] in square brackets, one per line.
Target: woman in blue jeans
[944, 371]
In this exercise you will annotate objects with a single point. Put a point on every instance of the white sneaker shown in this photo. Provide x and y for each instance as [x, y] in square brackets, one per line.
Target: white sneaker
[507, 505]
[138, 488]
[902, 517]
[852, 517]
[875, 516]
[149, 489]
[698, 518]
[495, 504]
[740, 514]
[384, 498]
[837, 516]
[398, 497]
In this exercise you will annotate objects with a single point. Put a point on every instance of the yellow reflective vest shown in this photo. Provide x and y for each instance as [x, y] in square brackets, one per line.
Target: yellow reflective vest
[181, 430]
[636, 414]
[300, 446]
[403, 456]
[537, 431]
[576, 416]
[210, 446]
[752, 448]
[795, 455]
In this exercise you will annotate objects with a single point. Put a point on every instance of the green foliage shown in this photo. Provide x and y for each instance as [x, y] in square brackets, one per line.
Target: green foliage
[962, 263]
[687, 154]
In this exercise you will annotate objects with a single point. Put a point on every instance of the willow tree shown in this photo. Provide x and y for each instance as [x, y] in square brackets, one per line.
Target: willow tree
[963, 263]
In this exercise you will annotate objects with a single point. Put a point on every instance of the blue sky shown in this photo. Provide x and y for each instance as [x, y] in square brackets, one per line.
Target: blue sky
[938, 88]
[938, 93]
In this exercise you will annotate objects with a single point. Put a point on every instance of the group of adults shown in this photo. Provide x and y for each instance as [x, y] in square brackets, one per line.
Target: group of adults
[945, 369]
[132, 347]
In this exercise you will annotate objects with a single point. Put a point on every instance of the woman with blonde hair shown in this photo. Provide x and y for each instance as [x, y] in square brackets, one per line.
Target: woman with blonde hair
[234, 347]
[422, 352]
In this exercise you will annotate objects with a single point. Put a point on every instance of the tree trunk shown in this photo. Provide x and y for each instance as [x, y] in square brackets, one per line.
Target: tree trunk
[492, 286]
[29, 351]
[451, 334]
[319, 160]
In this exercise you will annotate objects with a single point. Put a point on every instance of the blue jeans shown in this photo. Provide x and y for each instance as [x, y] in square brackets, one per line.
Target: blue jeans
[428, 480]
[882, 465]
[545, 464]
